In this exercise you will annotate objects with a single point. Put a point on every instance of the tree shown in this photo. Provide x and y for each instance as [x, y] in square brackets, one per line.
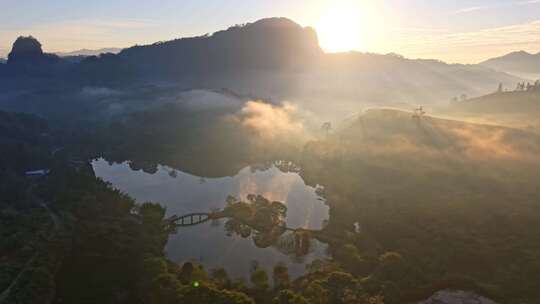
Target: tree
[289, 297]
[151, 269]
[341, 286]
[281, 277]
[259, 278]
[316, 293]
[391, 266]
[221, 278]
[35, 285]
[351, 259]
[151, 213]
[191, 273]
[164, 289]
[500, 88]
[209, 295]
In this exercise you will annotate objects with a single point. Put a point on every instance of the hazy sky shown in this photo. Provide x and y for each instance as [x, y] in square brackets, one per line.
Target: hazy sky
[454, 31]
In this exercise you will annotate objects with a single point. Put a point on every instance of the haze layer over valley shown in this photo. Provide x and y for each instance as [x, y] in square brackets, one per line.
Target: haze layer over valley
[250, 166]
[275, 59]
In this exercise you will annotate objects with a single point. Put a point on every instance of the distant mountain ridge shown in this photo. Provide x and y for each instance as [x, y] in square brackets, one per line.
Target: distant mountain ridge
[279, 59]
[521, 62]
[273, 43]
[89, 52]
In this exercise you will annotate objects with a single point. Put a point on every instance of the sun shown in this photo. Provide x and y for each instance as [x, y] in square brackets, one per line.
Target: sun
[345, 26]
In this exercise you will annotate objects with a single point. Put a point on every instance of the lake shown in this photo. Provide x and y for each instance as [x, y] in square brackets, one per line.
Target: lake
[182, 193]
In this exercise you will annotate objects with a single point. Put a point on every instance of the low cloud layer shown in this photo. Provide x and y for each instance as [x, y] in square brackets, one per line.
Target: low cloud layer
[202, 100]
[272, 121]
[99, 92]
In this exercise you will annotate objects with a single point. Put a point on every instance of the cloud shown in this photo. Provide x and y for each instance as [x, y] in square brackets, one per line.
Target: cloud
[529, 2]
[271, 121]
[486, 7]
[202, 100]
[471, 46]
[421, 30]
[470, 9]
[99, 92]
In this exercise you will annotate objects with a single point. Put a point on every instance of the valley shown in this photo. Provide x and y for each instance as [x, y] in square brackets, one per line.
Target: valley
[317, 177]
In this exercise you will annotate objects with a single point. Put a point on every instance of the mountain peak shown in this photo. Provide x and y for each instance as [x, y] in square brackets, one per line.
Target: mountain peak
[519, 61]
[278, 22]
[28, 50]
[25, 46]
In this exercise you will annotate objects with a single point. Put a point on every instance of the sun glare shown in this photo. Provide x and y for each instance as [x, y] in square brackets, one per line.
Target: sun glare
[346, 25]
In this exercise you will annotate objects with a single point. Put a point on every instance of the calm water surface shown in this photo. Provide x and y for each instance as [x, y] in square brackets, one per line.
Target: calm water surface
[183, 193]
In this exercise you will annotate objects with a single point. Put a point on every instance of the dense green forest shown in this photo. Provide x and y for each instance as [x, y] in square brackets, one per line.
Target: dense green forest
[70, 238]
[414, 203]
[456, 202]
[417, 204]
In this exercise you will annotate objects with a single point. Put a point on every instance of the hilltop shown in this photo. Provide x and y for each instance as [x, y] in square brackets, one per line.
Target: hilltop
[437, 191]
[404, 132]
[518, 108]
[27, 51]
[519, 63]
[503, 102]
[393, 151]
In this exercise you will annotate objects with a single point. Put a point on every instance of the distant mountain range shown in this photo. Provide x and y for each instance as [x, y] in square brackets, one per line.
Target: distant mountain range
[275, 58]
[520, 63]
[87, 52]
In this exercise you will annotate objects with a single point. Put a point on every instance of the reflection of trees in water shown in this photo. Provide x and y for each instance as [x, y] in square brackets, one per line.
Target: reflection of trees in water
[296, 244]
[285, 166]
[258, 217]
[147, 167]
[320, 191]
[264, 221]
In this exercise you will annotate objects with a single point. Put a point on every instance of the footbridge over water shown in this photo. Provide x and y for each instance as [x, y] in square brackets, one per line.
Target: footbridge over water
[191, 219]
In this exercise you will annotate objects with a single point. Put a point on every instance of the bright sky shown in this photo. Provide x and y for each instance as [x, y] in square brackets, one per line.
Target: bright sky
[454, 31]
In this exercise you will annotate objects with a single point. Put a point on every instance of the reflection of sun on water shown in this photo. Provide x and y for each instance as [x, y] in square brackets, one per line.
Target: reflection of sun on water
[348, 25]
